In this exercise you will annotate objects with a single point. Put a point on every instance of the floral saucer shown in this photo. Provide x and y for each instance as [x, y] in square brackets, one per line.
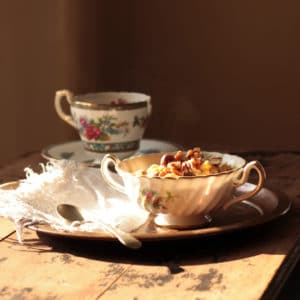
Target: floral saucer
[74, 150]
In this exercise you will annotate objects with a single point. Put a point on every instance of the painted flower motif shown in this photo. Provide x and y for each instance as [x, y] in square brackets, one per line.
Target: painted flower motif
[149, 195]
[83, 122]
[140, 121]
[153, 201]
[92, 132]
[102, 128]
[118, 102]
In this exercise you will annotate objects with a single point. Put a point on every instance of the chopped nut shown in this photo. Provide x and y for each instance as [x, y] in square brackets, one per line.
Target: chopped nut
[189, 154]
[178, 155]
[192, 164]
[166, 159]
[175, 164]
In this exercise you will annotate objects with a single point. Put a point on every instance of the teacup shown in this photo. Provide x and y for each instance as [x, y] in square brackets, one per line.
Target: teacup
[107, 121]
[185, 201]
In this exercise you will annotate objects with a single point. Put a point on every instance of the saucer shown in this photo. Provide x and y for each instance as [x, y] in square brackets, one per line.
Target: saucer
[239, 216]
[74, 150]
[260, 209]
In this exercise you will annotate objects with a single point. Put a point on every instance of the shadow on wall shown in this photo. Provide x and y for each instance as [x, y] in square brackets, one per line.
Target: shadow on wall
[220, 74]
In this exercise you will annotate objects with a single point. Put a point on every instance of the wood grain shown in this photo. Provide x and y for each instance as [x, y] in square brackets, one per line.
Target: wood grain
[247, 264]
[6, 228]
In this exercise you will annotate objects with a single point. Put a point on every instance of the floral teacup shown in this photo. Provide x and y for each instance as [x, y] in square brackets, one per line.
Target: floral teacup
[107, 121]
[185, 201]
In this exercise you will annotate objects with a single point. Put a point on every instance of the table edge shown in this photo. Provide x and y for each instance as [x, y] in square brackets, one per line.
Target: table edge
[284, 271]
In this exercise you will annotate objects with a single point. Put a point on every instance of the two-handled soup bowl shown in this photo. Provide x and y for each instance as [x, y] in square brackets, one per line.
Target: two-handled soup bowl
[182, 201]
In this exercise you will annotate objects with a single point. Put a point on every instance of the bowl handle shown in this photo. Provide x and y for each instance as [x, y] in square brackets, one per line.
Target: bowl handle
[59, 95]
[149, 107]
[253, 165]
[106, 173]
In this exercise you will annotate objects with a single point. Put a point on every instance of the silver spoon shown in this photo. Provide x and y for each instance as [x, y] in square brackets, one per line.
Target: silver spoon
[73, 213]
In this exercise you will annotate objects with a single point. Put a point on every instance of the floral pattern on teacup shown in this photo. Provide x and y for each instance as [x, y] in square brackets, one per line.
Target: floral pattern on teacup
[140, 121]
[118, 102]
[153, 201]
[102, 128]
[111, 147]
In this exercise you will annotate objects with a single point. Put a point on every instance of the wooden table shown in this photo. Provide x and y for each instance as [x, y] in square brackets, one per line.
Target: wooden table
[250, 264]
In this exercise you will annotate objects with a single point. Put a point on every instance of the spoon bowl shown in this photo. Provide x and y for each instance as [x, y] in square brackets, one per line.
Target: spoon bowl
[73, 213]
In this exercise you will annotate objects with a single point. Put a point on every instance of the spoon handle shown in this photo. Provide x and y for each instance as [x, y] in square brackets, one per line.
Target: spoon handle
[125, 238]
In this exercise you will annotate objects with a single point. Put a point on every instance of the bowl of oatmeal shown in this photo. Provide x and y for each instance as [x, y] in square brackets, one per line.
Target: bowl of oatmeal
[182, 188]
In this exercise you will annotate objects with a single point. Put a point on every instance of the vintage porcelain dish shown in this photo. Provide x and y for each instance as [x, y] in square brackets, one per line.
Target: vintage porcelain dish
[240, 216]
[107, 121]
[183, 201]
[74, 150]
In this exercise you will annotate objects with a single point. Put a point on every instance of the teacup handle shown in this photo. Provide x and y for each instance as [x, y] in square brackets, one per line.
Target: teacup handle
[149, 107]
[59, 95]
[107, 159]
[253, 165]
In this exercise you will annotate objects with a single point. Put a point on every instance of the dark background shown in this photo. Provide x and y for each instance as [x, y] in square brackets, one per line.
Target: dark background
[222, 74]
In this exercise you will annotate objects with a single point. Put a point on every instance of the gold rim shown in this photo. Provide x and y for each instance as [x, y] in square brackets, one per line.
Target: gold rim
[95, 106]
[84, 101]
